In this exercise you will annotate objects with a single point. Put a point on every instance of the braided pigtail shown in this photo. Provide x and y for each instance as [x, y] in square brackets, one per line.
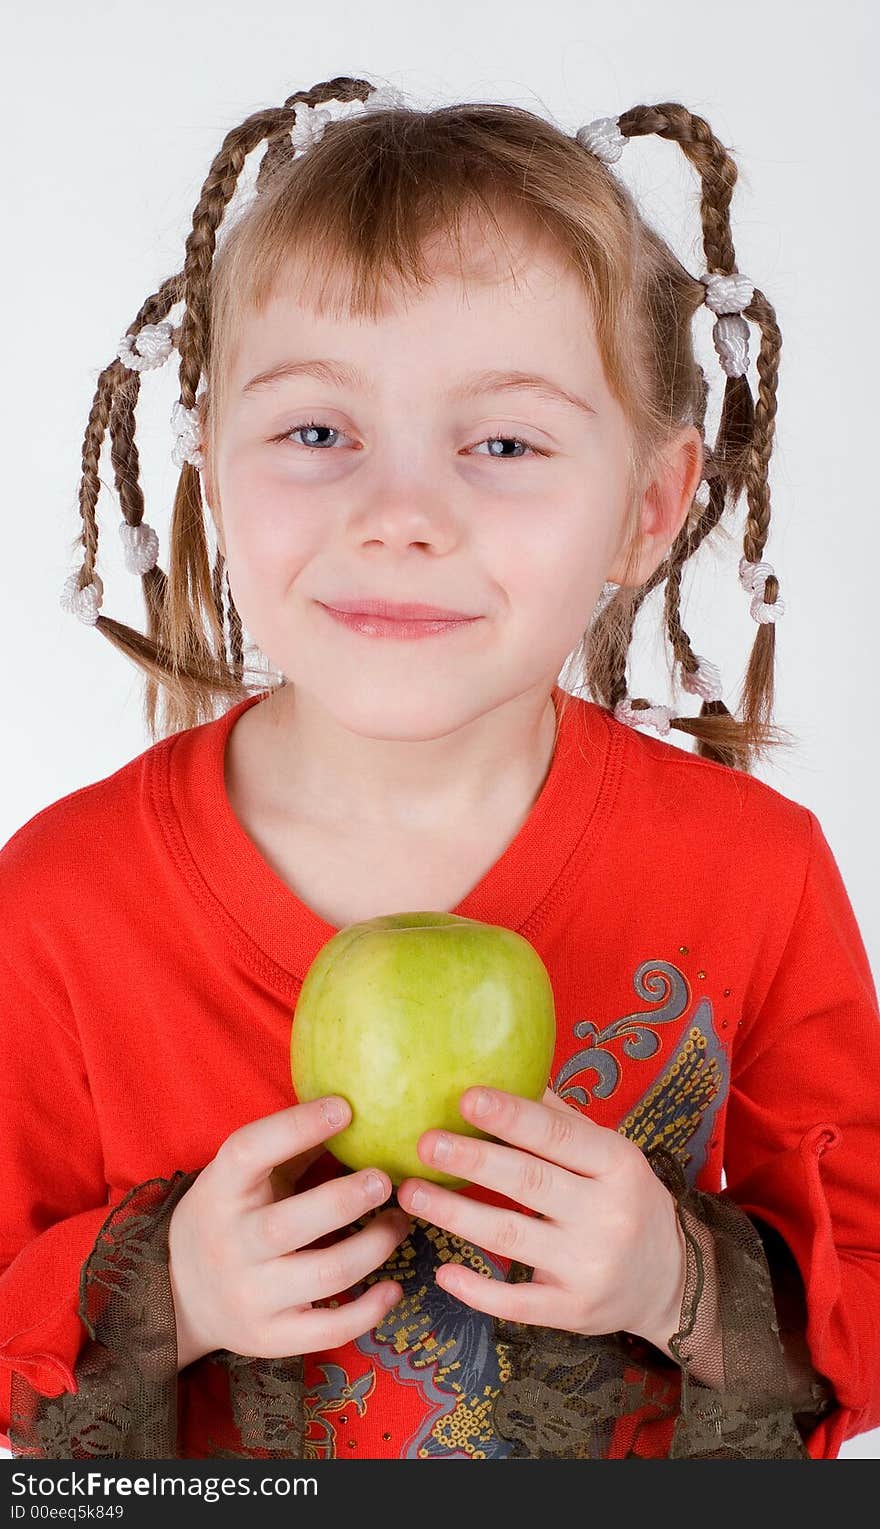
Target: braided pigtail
[739, 458]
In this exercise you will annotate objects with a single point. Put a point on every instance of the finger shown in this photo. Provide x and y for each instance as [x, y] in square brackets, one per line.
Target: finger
[557, 1101]
[313, 1274]
[532, 1181]
[250, 1153]
[514, 1301]
[297, 1220]
[323, 1328]
[561, 1135]
[502, 1230]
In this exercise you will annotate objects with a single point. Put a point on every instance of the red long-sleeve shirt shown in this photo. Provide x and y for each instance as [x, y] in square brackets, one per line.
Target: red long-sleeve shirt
[712, 993]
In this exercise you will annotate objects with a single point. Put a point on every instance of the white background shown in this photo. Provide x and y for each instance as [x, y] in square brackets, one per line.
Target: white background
[112, 114]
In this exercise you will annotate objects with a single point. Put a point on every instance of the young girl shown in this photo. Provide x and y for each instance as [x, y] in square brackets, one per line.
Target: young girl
[439, 360]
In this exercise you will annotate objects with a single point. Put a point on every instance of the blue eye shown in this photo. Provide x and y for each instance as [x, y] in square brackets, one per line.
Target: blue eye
[315, 426]
[517, 441]
[312, 425]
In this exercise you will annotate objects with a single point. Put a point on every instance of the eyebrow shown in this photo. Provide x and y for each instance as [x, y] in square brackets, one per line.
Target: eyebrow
[489, 380]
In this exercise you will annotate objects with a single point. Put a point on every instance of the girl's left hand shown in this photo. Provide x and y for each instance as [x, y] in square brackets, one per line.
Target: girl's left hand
[606, 1246]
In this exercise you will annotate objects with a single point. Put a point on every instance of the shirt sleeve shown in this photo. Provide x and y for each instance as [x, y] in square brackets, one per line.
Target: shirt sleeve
[55, 1196]
[802, 1140]
[88, 1342]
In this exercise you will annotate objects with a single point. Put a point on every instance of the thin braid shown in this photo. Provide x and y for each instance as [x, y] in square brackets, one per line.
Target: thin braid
[112, 408]
[280, 149]
[741, 453]
[90, 482]
[759, 681]
[716, 169]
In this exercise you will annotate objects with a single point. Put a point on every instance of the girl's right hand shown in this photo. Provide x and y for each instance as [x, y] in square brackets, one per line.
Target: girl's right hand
[242, 1274]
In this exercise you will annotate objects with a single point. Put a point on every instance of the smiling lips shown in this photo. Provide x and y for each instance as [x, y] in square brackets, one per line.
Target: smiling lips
[384, 618]
[394, 612]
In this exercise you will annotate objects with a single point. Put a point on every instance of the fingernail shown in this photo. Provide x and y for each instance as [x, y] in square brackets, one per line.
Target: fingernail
[442, 1149]
[373, 1186]
[480, 1102]
[334, 1111]
[418, 1199]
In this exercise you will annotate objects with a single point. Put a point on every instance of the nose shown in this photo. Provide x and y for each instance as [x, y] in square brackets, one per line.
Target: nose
[405, 515]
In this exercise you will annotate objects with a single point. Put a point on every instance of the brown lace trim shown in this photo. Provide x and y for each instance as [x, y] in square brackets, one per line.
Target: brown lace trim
[568, 1396]
[126, 1402]
[572, 1397]
[267, 1397]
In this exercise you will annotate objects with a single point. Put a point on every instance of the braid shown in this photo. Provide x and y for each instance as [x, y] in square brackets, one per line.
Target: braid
[279, 151]
[759, 687]
[741, 453]
[113, 408]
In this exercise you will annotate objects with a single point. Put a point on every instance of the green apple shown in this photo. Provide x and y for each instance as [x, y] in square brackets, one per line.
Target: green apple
[400, 1014]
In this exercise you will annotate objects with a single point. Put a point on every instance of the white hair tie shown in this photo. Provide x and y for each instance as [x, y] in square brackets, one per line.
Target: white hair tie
[705, 682]
[187, 427]
[150, 347]
[140, 547]
[310, 121]
[86, 602]
[644, 716]
[603, 138]
[727, 296]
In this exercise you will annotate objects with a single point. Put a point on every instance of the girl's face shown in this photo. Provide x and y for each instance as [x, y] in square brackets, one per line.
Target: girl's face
[398, 494]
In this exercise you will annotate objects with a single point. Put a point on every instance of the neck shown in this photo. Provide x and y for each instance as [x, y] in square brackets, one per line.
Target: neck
[330, 775]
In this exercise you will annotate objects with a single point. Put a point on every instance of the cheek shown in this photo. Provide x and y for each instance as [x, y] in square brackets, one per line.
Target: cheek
[270, 533]
[554, 567]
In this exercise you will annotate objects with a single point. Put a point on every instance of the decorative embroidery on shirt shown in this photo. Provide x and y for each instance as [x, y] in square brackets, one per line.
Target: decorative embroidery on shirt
[666, 985]
[431, 1341]
[338, 1391]
[680, 1109]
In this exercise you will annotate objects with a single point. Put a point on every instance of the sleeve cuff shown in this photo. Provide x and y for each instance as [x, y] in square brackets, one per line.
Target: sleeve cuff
[615, 1396]
[120, 1398]
[836, 1288]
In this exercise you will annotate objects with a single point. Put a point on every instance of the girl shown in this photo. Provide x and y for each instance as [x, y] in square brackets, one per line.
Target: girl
[378, 415]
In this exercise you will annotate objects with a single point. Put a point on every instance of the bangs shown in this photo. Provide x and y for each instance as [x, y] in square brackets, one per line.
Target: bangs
[386, 201]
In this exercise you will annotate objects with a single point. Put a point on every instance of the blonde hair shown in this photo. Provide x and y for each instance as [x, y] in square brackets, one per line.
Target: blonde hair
[360, 205]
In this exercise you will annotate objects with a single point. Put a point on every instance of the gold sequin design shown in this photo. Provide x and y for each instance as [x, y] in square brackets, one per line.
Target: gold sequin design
[410, 1330]
[672, 1111]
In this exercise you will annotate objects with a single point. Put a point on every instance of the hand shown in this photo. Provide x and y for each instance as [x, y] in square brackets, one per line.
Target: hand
[606, 1246]
[242, 1275]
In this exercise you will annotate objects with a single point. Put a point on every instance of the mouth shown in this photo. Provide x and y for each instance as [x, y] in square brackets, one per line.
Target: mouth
[391, 611]
[409, 629]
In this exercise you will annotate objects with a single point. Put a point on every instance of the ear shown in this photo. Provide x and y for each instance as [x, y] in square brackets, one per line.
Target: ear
[665, 506]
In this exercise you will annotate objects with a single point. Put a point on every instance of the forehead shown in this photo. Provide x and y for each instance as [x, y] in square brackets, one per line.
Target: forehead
[481, 293]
